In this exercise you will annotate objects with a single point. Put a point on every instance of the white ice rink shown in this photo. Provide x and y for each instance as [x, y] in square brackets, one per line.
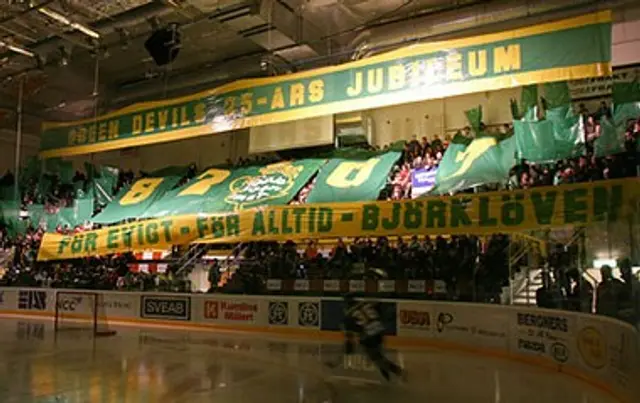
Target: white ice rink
[150, 365]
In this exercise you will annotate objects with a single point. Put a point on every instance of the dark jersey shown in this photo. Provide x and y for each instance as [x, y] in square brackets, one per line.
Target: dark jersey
[364, 319]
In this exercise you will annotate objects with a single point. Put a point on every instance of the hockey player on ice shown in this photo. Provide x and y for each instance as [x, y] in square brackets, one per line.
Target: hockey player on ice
[362, 321]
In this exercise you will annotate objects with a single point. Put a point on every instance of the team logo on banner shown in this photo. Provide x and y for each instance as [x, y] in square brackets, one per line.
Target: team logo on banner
[274, 181]
[309, 314]
[278, 313]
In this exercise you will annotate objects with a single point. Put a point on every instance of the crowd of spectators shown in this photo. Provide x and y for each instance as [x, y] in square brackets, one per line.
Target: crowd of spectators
[379, 258]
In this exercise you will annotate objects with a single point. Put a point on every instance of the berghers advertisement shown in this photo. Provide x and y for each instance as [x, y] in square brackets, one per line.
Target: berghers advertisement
[165, 307]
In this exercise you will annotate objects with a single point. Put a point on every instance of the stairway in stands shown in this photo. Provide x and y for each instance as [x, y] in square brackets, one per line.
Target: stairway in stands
[525, 284]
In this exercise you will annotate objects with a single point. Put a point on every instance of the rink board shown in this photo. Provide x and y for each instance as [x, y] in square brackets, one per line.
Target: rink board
[601, 351]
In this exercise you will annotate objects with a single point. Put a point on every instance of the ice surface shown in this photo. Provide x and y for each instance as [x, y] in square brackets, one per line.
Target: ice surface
[151, 365]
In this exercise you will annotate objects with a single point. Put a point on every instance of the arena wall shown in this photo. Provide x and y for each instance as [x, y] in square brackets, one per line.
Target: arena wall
[600, 351]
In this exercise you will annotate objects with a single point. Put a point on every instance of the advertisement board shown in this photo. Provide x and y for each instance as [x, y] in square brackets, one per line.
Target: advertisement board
[165, 307]
[232, 310]
[544, 333]
[471, 324]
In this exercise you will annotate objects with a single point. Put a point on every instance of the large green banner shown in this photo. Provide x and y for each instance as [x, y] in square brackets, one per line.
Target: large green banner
[348, 180]
[468, 163]
[133, 201]
[424, 71]
[222, 190]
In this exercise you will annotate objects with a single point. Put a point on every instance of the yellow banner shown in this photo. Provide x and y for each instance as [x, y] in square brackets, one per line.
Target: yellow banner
[486, 213]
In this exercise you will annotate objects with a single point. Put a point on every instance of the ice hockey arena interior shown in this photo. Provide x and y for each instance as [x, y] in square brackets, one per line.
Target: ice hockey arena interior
[319, 201]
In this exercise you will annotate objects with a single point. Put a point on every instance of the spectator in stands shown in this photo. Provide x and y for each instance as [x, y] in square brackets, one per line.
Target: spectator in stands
[631, 294]
[609, 294]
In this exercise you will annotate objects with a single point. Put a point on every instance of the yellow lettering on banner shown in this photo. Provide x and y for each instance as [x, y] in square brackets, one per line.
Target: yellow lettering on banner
[72, 137]
[341, 176]
[140, 191]
[316, 91]
[355, 89]
[506, 58]
[200, 112]
[114, 129]
[81, 135]
[184, 116]
[136, 125]
[477, 63]
[229, 106]
[375, 80]
[278, 99]
[102, 131]
[174, 117]
[472, 153]
[296, 94]
[149, 122]
[91, 134]
[454, 66]
[205, 181]
[246, 103]
[163, 118]
[397, 77]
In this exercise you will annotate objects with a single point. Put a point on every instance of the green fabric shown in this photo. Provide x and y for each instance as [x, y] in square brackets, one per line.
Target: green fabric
[529, 97]
[60, 168]
[345, 87]
[557, 94]
[468, 163]
[102, 180]
[32, 170]
[474, 116]
[243, 188]
[624, 113]
[174, 170]
[133, 201]
[559, 136]
[624, 93]
[353, 179]
[611, 140]
[612, 132]
[6, 192]
[68, 217]
[10, 218]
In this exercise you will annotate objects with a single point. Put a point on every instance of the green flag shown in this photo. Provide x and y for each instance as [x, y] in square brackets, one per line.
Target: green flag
[221, 190]
[529, 97]
[557, 94]
[173, 170]
[474, 116]
[624, 93]
[611, 139]
[67, 217]
[10, 218]
[60, 168]
[133, 201]
[102, 182]
[345, 180]
[560, 135]
[472, 162]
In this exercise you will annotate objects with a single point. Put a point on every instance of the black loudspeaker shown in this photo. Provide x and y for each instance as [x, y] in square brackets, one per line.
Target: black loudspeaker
[164, 45]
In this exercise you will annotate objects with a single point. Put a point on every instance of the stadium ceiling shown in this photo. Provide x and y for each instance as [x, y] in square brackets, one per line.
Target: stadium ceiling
[54, 44]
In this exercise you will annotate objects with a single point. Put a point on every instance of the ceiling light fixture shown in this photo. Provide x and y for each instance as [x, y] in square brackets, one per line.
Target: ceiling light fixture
[17, 49]
[64, 20]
